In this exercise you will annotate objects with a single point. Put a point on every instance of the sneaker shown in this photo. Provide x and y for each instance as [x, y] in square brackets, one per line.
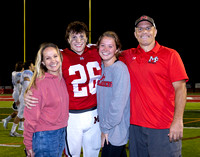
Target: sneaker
[5, 123]
[21, 128]
[15, 134]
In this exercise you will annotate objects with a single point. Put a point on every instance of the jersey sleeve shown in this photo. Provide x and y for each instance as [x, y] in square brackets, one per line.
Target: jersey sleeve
[13, 77]
[177, 70]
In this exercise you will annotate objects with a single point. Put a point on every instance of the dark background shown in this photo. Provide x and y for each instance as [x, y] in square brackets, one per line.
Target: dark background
[46, 21]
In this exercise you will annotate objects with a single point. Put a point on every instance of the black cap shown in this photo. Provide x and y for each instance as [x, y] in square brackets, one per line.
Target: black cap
[145, 18]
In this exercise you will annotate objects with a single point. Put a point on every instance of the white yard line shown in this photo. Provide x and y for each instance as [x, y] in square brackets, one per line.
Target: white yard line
[8, 145]
[191, 127]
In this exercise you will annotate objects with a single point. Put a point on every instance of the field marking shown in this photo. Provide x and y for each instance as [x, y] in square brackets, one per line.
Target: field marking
[192, 110]
[193, 98]
[6, 98]
[192, 121]
[191, 127]
[5, 114]
[7, 145]
[191, 118]
[190, 138]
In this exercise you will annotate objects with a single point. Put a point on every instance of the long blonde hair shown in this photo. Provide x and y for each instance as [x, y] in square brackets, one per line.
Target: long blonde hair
[40, 68]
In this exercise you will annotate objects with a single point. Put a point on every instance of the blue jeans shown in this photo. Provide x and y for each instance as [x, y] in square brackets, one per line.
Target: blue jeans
[49, 143]
[147, 142]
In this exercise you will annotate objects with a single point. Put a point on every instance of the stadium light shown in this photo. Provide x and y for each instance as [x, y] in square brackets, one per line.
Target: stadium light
[24, 30]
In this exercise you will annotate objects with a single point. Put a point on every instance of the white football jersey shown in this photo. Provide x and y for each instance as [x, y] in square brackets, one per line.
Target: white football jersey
[16, 84]
[25, 74]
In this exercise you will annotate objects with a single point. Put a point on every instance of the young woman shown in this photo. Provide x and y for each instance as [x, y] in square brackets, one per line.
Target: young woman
[113, 101]
[45, 124]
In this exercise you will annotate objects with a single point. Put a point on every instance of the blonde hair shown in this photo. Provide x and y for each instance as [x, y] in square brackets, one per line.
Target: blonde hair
[40, 68]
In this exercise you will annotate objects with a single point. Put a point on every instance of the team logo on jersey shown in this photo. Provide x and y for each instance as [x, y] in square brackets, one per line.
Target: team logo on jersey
[103, 83]
[96, 119]
[134, 58]
[81, 58]
[153, 60]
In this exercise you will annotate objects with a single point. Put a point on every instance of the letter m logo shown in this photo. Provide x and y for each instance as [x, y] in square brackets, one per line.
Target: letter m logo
[153, 60]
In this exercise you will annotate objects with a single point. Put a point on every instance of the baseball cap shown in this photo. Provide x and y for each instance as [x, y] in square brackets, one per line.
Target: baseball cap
[145, 18]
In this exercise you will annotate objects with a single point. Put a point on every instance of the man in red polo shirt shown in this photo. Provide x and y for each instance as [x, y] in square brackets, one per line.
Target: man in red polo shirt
[158, 94]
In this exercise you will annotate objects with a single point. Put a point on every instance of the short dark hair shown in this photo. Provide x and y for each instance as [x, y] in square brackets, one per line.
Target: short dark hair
[27, 64]
[76, 27]
[19, 66]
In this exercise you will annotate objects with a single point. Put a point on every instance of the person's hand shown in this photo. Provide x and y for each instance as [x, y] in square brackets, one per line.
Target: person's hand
[30, 153]
[104, 138]
[29, 100]
[176, 131]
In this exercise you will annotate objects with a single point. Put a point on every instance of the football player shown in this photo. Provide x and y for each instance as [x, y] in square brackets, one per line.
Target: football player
[81, 70]
[24, 80]
[16, 75]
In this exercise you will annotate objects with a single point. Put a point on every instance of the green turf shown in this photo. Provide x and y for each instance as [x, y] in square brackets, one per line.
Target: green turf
[6, 139]
[5, 104]
[192, 106]
[6, 94]
[191, 138]
[191, 93]
[190, 145]
[191, 142]
[191, 118]
[5, 112]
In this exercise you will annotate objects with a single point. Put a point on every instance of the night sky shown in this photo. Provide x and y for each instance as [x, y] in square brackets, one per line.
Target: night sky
[46, 21]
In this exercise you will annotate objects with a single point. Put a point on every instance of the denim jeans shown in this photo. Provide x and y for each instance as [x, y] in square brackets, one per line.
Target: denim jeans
[49, 143]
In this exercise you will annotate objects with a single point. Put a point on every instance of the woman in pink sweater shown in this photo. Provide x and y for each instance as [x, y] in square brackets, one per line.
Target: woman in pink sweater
[45, 124]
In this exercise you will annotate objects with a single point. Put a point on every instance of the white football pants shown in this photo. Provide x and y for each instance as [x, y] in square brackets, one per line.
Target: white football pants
[83, 131]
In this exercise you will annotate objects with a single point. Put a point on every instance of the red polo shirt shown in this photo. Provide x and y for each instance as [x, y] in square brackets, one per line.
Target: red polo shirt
[152, 94]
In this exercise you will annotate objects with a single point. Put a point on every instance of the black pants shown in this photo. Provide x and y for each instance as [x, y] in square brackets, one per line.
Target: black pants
[145, 142]
[113, 151]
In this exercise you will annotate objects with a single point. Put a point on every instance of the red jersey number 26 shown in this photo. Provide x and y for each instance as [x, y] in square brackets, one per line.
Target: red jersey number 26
[83, 78]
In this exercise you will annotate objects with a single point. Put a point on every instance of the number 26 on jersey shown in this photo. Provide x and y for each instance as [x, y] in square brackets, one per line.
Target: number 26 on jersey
[83, 78]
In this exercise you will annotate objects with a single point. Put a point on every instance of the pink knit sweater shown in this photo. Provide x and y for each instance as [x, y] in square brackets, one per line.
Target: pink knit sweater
[52, 111]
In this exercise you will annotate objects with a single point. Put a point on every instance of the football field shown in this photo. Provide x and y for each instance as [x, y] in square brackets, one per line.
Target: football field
[13, 146]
